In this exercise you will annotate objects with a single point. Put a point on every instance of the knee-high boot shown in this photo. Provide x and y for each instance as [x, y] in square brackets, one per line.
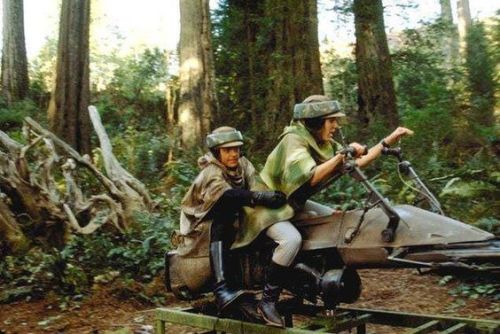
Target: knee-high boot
[224, 295]
[275, 276]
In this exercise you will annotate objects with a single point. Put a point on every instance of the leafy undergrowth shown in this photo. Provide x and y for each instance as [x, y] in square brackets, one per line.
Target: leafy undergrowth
[486, 286]
[134, 259]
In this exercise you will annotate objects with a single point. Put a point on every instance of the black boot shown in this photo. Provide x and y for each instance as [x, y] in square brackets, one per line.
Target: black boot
[224, 295]
[271, 294]
[247, 309]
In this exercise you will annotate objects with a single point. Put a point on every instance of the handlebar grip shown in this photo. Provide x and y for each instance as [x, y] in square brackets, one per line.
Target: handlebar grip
[396, 151]
[349, 150]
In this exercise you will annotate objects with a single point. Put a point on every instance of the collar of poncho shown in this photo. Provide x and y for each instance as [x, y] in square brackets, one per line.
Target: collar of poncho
[235, 177]
[323, 151]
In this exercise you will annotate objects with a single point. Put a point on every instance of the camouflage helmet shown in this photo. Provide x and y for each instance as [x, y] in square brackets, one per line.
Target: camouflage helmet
[225, 136]
[317, 106]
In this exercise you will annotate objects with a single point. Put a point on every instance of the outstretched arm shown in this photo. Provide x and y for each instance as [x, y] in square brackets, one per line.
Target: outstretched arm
[326, 169]
[376, 150]
[329, 167]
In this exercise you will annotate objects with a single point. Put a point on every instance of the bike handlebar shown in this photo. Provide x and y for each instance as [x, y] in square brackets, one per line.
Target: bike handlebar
[396, 151]
[350, 151]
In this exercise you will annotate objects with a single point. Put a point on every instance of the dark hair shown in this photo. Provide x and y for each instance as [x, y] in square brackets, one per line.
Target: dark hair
[215, 152]
[314, 124]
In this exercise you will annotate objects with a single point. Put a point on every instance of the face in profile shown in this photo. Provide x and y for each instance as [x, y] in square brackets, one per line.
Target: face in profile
[229, 156]
[329, 127]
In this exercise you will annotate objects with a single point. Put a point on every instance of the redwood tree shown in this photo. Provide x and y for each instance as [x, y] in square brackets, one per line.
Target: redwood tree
[450, 36]
[292, 63]
[267, 59]
[67, 113]
[464, 22]
[376, 95]
[198, 101]
[14, 63]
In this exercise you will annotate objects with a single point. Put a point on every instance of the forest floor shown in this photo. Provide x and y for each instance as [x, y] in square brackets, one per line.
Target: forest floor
[109, 310]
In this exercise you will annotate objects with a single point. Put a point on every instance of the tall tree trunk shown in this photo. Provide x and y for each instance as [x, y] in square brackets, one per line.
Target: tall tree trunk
[293, 60]
[464, 22]
[306, 34]
[450, 42]
[198, 103]
[376, 95]
[446, 14]
[15, 82]
[268, 60]
[67, 113]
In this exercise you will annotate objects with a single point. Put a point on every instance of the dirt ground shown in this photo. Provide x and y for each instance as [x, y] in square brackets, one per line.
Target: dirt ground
[106, 311]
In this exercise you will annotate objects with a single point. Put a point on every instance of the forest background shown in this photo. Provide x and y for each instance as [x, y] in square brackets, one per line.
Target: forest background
[65, 225]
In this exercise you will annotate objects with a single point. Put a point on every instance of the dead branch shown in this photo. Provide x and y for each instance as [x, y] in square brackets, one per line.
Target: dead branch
[74, 154]
[31, 188]
[12, 146]
[47, 180]
[122, 178]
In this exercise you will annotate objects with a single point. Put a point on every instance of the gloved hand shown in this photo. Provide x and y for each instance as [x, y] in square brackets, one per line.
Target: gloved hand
[271, 199]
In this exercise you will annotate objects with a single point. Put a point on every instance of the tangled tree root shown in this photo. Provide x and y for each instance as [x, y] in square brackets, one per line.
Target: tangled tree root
[41, 192]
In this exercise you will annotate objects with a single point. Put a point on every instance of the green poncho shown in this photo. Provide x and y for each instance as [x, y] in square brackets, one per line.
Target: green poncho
[292, 162]
[288, 168]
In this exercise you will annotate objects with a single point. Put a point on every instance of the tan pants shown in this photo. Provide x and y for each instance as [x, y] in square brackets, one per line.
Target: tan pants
[288, 238]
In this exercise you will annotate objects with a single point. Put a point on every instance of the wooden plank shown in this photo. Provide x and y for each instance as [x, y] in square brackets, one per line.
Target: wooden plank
[425, 328]
[341, 314]
[221, 324]
[344, 319]
[316, 328]
[159, 327]
[361, 329]
[350, 323]
[458, 328]
[326, 323]
[400, 319]
[313, 327]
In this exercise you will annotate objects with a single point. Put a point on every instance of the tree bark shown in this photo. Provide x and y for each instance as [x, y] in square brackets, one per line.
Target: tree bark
[198, 102]
[292, 59]
[446, 14]
[12, 238]
[67, 113]
[451, 42]
[464, 22]
[15, 82]
[376, 95]
[283, 34]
